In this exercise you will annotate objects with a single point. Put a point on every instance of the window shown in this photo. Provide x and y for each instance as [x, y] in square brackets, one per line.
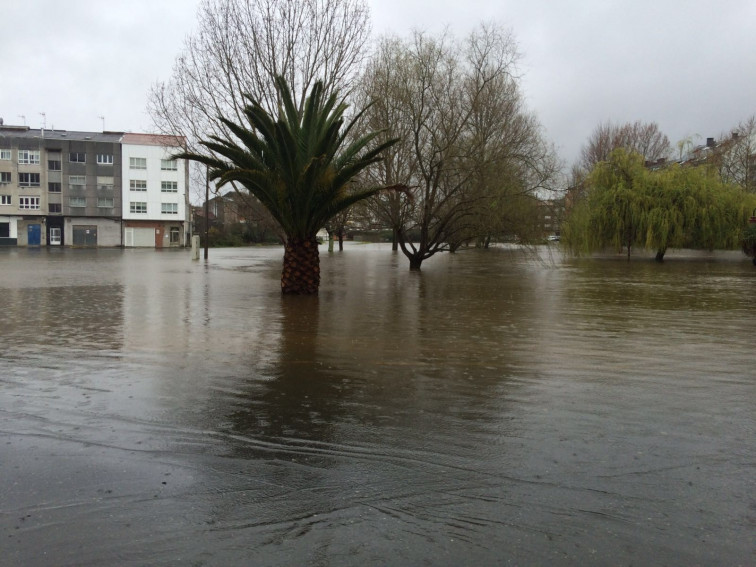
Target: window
[138, 185]
[168, 165]
[53, 187]
[30, 203]
[137, 163]
[6, 200]
[169, 208]
[28, 157]
[5, 177]
[77, 182]
[104, 159]
[137, 207]
[77, 157]
[53, 164]
[28, 179]
[77, 201]
[105, 183]
[175, 235]
[169, 186]
[54, 207]
[105, 203]
[5, 154]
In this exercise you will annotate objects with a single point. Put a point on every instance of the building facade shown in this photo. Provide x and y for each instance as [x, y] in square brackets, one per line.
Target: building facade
[155, 204]
[65, 188]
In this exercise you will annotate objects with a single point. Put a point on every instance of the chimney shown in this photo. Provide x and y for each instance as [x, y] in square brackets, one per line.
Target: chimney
[709, 142]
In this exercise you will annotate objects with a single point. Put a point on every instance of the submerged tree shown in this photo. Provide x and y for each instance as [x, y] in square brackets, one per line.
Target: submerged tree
[630, 206]
[300, 167]
[467, 139]
[613, 212]
[690, 207]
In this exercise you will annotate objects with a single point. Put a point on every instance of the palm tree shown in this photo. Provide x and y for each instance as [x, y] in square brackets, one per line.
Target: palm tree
[301, 167]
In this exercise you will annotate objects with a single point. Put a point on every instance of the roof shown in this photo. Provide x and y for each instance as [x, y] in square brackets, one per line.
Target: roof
[44, 134]
[113, 137]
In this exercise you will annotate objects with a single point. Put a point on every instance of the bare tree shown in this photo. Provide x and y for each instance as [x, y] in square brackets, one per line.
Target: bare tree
[643, 138]
[735, 155]
[242, 45]
[457, 108]
[379, 88]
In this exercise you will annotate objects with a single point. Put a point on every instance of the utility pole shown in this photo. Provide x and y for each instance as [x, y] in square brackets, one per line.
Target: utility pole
[207, 206]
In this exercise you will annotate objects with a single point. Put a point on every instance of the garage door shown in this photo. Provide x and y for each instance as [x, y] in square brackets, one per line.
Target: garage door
[85, 236]
[140, 237]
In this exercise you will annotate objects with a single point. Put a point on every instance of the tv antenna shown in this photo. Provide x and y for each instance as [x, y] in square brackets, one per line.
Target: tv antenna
[22, 117]
[103, 122]
[44, 119]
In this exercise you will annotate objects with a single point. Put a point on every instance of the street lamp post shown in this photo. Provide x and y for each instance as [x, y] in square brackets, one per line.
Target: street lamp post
[207, 206]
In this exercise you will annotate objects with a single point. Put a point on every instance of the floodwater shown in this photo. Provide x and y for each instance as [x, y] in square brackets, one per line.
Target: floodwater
[495, 409]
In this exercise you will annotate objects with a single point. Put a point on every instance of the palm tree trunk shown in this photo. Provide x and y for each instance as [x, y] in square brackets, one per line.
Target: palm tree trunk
[301, 266]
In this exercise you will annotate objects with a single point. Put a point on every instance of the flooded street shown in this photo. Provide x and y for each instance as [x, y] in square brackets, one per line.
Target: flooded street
[494, 409]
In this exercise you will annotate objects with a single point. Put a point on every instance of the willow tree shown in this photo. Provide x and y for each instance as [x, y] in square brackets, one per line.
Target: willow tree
[691, 207]
[300, 166]
[630, 206]
[614, 210]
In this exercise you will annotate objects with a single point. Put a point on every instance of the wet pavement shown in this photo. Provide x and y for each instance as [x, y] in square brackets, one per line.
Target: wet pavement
[495, 409]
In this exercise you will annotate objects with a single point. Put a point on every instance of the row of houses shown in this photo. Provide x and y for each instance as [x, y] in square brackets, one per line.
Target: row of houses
[64, 188]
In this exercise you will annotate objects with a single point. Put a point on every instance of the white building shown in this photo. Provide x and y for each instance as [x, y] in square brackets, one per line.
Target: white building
[155, 192]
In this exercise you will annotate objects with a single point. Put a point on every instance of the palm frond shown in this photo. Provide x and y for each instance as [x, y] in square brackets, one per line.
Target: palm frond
[298, 164]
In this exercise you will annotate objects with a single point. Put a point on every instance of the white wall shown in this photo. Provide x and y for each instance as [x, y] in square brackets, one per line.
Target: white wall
[154, 176]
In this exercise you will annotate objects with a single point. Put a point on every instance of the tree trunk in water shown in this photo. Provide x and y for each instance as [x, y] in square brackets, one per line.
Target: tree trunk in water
[301, 266]
[341, 241]
[394, 241]
[330, 242]
[415, 263]
[660, 255]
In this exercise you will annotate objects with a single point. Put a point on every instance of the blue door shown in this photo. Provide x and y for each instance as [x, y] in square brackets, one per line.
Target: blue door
[34, 234]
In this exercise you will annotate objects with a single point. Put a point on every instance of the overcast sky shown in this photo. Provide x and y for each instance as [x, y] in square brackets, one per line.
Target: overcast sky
[688, 65]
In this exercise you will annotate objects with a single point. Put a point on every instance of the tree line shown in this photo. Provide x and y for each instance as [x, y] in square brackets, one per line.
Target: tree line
[314, 125]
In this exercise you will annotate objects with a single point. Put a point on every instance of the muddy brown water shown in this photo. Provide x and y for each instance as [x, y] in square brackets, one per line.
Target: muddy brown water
[495, 409]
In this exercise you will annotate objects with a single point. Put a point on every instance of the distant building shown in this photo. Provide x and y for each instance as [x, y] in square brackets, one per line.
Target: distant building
[66, 188]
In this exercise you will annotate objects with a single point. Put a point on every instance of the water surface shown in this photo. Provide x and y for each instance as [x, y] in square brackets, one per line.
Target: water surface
[493, 409]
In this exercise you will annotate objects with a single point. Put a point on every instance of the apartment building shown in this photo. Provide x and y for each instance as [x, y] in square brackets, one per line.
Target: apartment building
[66, 188]
[155, 200]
